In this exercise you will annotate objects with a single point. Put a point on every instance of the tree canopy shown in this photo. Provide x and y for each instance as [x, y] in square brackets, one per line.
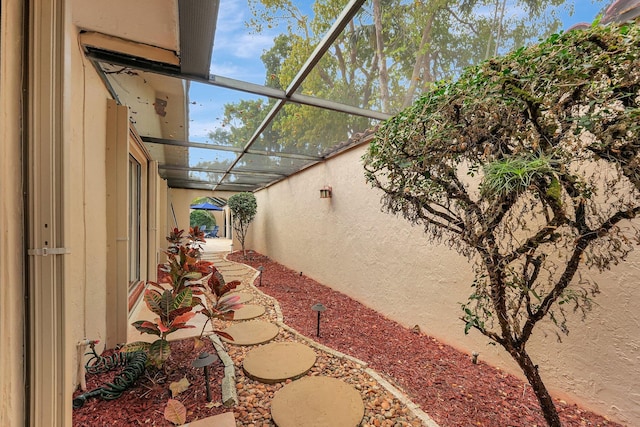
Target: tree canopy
[201, 218]
[527, 164]
[392, 51]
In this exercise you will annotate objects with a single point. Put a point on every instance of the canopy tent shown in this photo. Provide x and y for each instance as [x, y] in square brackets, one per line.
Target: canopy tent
[206, 207]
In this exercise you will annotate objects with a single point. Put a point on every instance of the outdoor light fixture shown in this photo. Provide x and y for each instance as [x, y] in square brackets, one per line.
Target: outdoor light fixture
[203, 361]
[260, 269]
[319, 307]
[325, 192]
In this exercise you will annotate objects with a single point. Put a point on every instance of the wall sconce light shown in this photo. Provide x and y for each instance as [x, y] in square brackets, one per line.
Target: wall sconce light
[325, 192]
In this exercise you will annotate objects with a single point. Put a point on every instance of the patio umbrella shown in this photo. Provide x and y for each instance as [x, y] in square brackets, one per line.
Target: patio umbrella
[206, 207]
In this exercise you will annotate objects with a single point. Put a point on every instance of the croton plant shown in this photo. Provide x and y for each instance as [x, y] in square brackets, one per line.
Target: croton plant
[177, 295]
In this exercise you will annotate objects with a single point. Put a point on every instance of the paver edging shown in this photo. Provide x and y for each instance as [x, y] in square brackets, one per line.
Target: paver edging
[229, 394]
[399, 394]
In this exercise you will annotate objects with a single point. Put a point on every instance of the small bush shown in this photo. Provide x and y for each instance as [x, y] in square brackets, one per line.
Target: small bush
[200, 218]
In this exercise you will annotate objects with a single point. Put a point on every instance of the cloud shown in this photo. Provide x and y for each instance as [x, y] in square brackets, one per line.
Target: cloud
[199, 129]
[237, 51]
[243, 45]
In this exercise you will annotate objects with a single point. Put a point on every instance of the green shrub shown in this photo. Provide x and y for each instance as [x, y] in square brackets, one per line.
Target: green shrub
[201, 218]
[243, 207]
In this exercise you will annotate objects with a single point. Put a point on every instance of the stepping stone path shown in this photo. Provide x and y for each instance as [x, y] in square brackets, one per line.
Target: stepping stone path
[244, 297]
[223, 420]
[311, 401]
[317, 402]
[280, 361]
[251, 333]
[249, 311]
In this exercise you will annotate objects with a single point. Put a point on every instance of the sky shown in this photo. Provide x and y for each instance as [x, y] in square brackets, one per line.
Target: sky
[236, 54]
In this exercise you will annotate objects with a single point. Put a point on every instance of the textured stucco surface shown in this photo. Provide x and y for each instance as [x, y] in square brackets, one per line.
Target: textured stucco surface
[11, 225]
[346, 242]
[86, 270]
[152, 22]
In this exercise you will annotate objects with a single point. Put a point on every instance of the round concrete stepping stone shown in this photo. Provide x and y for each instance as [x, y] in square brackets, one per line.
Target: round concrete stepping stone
[251, 333]
[244, 297]
[249, 311]
[279, 361]
[317, 402]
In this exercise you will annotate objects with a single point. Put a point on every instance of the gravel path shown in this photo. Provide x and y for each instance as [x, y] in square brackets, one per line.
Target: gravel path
[382, 407]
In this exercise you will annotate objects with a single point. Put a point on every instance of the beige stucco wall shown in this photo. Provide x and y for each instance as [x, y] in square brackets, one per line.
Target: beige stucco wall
[153, 22]
[87, 263]
[12, 315]
[346, 242]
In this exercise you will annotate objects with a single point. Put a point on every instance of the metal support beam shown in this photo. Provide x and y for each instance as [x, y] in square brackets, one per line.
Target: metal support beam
[281, 97]
[98, 55]
[343, 19]
[209, 170]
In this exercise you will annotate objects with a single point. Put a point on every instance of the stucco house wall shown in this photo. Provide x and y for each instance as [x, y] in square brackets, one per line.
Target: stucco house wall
[84, 272]
[347, 243]
[86, 287]
[12, 313]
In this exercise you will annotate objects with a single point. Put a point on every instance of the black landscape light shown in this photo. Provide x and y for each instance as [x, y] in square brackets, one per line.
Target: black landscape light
[203, 361]
[319, 307]
[261, 270]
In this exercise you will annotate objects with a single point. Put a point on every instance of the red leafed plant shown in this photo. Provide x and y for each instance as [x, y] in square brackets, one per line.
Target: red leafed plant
[173, 299]
[183, 265]
[219, 304]
[174, 310]
[178, 292]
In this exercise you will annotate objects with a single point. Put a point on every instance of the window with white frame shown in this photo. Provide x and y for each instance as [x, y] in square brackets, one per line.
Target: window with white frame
[135, 184]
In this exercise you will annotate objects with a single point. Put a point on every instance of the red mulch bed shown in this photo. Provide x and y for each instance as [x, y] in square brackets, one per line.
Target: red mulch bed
[144, 403]
[439, 378]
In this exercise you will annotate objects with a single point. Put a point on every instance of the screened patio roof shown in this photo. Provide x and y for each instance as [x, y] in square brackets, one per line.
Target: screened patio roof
[252, 95]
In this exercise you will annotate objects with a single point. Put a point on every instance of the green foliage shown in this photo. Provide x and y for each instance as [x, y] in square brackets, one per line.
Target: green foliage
[529, 165]
[243, 207]
[391, 52]
[173, 299]
[173, 311]
[513, 175]
[200, 218]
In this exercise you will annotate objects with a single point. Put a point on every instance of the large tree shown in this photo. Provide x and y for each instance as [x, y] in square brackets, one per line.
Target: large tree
[392, 51]
[528, 165]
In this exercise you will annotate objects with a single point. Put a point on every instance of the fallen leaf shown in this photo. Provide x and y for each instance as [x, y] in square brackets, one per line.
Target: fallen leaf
[213, 405]
[197, 344]
[178, 387]
[175, 412]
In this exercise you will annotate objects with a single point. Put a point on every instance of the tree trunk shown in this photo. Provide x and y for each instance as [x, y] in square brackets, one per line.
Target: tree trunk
[382, 60]
[533, 376]
[420, 62]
